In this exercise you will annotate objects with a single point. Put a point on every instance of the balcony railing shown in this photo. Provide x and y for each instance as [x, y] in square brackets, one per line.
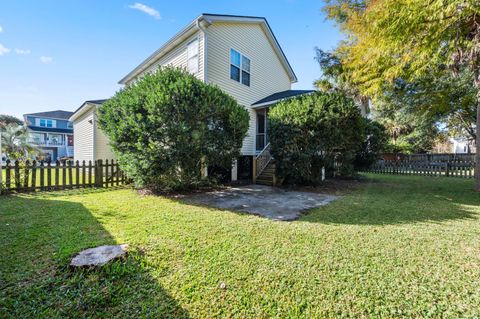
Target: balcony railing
[47, 143]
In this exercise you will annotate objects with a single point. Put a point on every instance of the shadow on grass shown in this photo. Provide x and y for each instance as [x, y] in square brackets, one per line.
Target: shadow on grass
[38, 236]
[389, 200]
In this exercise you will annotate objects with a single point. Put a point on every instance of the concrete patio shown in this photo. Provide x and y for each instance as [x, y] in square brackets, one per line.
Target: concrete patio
[270, 202]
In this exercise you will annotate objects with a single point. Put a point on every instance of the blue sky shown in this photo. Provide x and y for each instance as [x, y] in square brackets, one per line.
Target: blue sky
[57, 54]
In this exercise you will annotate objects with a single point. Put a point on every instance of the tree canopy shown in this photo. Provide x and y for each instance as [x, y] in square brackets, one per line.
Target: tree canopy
[409, 40]
[9, 119]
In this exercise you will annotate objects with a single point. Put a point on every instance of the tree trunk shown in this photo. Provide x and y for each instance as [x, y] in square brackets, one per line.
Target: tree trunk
[477, 145]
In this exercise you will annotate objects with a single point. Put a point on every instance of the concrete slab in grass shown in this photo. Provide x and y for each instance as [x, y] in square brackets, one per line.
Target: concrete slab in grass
[270, 202]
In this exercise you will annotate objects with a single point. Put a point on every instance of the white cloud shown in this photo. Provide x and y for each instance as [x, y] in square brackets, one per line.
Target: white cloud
[3, 50]
[22, 51]
[146, 9]
[46, 59]
[1, 29]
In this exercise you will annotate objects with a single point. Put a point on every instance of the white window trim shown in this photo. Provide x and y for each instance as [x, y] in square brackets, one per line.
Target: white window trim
[241, 67]
[195, 56]
[38, 120]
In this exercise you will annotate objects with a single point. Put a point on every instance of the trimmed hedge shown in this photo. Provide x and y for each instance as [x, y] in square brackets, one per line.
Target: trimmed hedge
[317, 130]
[168, 125]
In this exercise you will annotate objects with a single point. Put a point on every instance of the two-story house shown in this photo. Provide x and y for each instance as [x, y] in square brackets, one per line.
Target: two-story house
[52, 133]
[240, 54]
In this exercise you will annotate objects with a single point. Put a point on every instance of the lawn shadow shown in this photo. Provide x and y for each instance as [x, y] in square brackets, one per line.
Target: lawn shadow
[38, 237]
[401, 200]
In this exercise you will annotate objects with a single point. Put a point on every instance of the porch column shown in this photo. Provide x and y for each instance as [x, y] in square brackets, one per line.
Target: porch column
[235, 171]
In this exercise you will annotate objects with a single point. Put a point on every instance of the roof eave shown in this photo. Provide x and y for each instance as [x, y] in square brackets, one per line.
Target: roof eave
[193, 26]
[86, 106]
[210, 18]
[170, 44]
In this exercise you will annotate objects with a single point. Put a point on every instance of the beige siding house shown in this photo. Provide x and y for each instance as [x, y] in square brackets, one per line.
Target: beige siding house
[90, 143]
[239, 54]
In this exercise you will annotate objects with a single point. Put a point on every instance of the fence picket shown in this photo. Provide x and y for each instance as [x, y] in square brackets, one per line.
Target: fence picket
[26, 174]
[49, 176]
[64, 174]
[40, 176]
[34, 176]
[57, 175]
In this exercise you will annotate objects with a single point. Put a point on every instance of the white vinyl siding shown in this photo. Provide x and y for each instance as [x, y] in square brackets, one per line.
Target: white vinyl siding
[178, 57]
[192, 57]
[83, 137]
[268, 75]
[103, 150]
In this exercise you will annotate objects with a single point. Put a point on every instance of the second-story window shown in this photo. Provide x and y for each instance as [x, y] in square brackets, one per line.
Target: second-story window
[46, 123]
[192, 56]
[239, 67]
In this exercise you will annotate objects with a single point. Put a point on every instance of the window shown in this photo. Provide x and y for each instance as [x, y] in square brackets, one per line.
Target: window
[46, 123]
[55, 139]
[239, 68]
[192, 56]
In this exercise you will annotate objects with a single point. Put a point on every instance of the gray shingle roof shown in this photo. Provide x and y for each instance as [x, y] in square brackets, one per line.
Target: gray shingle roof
[282, 95]
[50, 129]
[59, 114]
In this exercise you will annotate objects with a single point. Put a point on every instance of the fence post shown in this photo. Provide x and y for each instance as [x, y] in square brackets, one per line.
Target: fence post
[99, 173]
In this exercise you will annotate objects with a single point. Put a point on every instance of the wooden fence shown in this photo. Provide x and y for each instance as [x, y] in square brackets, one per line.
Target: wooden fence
[433, 157]
[448, 168]
[40, 176]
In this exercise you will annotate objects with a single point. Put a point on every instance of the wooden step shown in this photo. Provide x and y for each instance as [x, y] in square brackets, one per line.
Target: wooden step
[265, 182]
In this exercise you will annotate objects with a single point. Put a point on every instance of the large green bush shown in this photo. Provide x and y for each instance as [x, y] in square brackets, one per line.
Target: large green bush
[315, 131]
[169, 125]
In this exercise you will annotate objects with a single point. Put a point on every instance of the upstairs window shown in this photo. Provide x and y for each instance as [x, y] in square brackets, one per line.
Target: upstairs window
[192, 57]
[46, 123]
[239, 67]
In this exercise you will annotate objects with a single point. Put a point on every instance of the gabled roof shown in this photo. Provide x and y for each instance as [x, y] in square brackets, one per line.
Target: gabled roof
[59, 114]
[85, 106]
[209, 18]
[277, 97]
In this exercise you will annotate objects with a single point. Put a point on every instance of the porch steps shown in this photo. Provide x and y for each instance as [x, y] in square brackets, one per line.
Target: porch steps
[267, 175]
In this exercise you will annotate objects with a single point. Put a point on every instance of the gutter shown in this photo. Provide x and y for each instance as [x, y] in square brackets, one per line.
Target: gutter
[205, 50]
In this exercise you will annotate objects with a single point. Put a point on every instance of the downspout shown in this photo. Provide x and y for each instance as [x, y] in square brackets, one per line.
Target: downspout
[94, 118]
[205, 50]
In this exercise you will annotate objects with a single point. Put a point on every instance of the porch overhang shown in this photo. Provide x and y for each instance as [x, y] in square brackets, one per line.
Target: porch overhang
[279, 96]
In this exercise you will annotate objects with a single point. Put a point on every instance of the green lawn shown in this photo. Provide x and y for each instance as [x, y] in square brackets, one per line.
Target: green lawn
[397, 246]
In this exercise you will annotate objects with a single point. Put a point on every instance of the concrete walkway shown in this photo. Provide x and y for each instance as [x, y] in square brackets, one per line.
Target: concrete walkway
[270, 202]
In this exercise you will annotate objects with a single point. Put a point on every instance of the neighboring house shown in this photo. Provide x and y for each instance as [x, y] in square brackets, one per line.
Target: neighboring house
[52, 133]
[461, 145]
[239, 54]
[90, 143]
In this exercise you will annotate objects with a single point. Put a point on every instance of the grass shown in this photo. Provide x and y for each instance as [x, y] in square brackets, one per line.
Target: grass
[398, 246]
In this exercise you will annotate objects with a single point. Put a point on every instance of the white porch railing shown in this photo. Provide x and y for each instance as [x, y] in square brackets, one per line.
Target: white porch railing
[262, 160]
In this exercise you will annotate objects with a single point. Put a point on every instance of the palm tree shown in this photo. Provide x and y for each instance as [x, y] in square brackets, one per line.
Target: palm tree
[15, 142]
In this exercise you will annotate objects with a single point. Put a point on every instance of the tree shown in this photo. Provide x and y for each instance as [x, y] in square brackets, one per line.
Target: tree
[8, 119]
[336, 78]
[392, 39]
[168, 126]
[15, 142]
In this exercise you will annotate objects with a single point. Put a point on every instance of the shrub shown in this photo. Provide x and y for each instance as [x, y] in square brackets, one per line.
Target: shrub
[168, 125]
[374, 144]
[314, 131]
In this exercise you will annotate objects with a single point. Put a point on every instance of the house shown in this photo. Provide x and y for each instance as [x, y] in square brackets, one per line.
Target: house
[239, 54]
[462, 145]
[52, 133]
[90, 143]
